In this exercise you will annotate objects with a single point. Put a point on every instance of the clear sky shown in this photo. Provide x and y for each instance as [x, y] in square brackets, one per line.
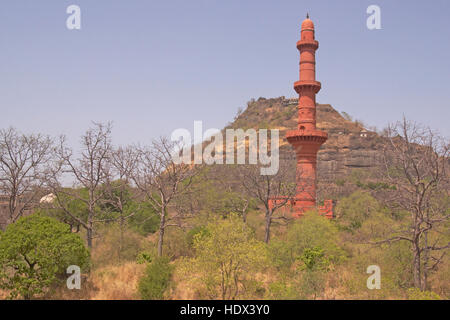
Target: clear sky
[155, 66]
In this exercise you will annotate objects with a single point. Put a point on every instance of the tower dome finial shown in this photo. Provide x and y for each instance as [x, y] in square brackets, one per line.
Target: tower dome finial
[307, 15]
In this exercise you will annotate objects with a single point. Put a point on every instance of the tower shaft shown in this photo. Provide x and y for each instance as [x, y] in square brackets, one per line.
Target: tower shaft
[306, 140]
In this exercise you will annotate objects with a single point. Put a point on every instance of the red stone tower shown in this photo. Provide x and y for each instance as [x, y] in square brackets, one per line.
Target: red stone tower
[306, 140]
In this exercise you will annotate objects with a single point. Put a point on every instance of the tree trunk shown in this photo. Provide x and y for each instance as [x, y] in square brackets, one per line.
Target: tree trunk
[90, 224]
[90, 231]
[244, 212]
[417, 280]
[161, 232]
[268, 223]
[12, 209]
[122, 222]
[425, 263]
[89, 237]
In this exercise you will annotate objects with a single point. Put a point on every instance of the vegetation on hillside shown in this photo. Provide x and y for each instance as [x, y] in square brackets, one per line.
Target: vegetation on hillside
[158, 230]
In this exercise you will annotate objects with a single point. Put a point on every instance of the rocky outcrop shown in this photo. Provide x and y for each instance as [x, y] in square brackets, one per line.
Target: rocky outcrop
[349, 144]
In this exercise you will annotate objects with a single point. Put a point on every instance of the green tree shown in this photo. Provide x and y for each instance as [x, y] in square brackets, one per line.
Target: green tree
[227, 257]
[313, 258]
[313, 231]
[309, 251]
[35, 252]
[144, 220]
[65, 201]
[156, 280]
[313, 278]
[353, 210]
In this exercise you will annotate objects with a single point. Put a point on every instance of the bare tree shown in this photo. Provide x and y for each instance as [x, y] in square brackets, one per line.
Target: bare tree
[416, 164]
[117, 187]
[24, 164]
[89, 171]
[240, 204]
[162, 181]
[266, 188]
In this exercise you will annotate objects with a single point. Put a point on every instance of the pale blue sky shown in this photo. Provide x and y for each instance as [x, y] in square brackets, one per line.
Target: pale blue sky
[154, 66]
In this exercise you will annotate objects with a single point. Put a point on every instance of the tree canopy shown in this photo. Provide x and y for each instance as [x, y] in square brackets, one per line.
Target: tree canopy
[35, 252]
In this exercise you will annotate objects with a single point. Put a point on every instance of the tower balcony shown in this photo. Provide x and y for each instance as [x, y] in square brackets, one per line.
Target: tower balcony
[295, 137]
[307, 44]
[307, 85]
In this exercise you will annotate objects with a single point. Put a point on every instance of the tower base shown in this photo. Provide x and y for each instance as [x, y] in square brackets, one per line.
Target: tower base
[296, 208]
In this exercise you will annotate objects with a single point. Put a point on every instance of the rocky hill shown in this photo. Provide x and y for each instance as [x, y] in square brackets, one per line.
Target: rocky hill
[349, 144]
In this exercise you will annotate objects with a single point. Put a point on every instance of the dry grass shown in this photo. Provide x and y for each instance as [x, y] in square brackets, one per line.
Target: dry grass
[183, 289]
[117, 282]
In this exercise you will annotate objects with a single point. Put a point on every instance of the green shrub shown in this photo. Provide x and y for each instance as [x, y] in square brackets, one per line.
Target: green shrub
[156, 280]
[311, 233]
[193, 233]
[355, 209]
[313, 258]
[416, 294]
[144, 257]
[280, 254]
[283, 290]
[35, 253]
[227, 257]
[145, 220]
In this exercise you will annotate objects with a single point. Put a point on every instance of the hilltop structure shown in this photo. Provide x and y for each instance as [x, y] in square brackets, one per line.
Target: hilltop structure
[307, 139]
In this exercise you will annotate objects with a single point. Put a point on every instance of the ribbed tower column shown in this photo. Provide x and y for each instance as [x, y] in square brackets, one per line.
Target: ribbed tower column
[306, 140]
